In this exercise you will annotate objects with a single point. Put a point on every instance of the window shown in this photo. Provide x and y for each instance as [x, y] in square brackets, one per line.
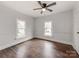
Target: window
[48, 28]
[20, 29]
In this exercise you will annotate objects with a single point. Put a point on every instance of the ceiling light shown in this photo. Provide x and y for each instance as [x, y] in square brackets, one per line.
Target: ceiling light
[43, 9]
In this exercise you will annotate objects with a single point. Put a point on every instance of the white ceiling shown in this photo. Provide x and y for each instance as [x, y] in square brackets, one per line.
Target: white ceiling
[27, 7]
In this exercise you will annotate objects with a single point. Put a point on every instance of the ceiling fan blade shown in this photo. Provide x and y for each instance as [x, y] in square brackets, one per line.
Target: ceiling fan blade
[49, 10]
[41, 12]
[37, 9]
[54, 3]
[40, 3]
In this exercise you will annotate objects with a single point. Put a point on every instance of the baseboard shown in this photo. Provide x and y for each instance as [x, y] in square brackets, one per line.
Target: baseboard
[15, 43]
[52, 39]
[75, 49]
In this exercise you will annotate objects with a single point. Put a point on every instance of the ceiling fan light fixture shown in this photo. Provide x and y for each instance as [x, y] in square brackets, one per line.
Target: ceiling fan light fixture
[43, 9]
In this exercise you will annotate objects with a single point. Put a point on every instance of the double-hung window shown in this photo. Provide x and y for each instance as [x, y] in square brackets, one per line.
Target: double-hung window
[48, 28]
[20, 29]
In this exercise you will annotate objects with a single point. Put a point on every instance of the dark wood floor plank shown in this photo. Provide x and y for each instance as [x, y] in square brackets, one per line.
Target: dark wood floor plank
[38, 48]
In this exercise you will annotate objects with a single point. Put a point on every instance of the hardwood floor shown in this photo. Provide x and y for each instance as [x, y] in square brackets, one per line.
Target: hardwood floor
[37, 48]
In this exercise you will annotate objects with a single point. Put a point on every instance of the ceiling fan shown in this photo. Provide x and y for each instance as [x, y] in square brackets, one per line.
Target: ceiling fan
[44, 6]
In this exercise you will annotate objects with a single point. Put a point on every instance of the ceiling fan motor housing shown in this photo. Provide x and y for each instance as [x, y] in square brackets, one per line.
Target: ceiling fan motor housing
[44, 5]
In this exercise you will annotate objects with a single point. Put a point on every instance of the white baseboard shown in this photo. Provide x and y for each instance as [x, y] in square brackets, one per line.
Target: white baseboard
[14, 43]
[52, 39]
[75, 49]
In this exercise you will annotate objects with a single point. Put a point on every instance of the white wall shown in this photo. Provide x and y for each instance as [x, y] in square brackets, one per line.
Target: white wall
[8, 19]
[76, 27]
[62, 27]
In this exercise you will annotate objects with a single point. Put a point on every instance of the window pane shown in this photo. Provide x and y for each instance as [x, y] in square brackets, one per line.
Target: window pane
[48, 28]
[20, 29]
